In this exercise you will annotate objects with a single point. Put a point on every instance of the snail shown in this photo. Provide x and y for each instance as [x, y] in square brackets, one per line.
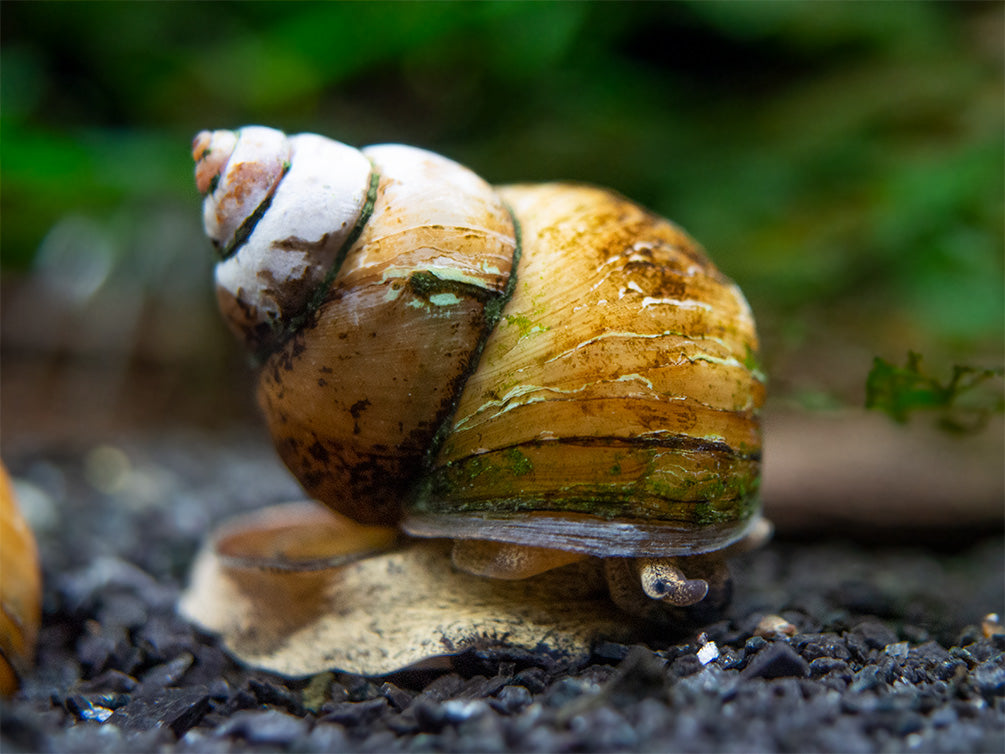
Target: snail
[541, 373]
[20, 590]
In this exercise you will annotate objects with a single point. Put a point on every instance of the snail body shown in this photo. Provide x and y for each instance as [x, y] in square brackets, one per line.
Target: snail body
[542, 373]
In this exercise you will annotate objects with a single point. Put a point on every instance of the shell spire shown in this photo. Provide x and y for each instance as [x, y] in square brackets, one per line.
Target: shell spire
[281, 212]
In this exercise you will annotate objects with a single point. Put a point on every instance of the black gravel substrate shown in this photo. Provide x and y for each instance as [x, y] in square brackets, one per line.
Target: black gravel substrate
[889, 654]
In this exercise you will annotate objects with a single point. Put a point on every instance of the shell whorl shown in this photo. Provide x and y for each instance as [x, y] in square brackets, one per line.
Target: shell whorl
[355, 390]
[618, 386]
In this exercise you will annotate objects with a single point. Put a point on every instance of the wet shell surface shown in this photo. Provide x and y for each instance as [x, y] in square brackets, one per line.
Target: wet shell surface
[547, 365]
[617, 387]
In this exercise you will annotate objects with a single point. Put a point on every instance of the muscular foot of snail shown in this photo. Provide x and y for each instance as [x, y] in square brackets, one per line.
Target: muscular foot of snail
[502, 560]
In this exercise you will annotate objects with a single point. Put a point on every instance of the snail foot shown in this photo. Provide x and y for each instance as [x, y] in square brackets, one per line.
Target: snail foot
[504, 560]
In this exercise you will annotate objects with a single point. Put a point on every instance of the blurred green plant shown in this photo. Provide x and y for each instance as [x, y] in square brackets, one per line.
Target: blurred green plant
[841, 161]
[963, 405]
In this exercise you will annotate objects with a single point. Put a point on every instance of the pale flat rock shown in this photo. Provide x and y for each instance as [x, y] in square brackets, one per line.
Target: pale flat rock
[381, 613]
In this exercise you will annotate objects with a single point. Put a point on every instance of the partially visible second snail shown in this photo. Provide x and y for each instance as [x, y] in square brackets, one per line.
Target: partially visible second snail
[20, 590]
[542, 373]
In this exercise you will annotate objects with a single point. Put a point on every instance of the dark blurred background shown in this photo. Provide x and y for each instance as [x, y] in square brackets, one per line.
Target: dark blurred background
[842, 161]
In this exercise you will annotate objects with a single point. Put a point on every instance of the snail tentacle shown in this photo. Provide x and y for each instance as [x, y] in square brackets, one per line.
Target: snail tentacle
[662, 579]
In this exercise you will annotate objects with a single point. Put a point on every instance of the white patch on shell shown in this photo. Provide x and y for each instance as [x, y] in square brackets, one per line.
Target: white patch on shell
[636, 378]
[266, 151]
[438, 182]
[676, 302]
[703, 356]
[313, 211]
[426, 190]
[524, 395]
[453, 270]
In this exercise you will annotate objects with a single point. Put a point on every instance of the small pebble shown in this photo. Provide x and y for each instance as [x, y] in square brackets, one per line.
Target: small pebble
[219, 689]
[267, 691]
[445, 687]
[930, 653]
[962, 653]
[398, 698]
[708, 652]
[534, 680]
[774, 627]
[111, 680]
[459, 710]
[480, 687]
[983, 649]
[991, 625]
[267, 727]
[177, 709]
[168, 673]
[777, 660]
[812, 646]
[429, 715]
[754, 645]
[989, 678]
[326, 738]
[866, 679]
[606, 729]
[686, 665]
[356, 713]
[96, 713]
[511, 699]
[876, 635]
[824, 665]
[564, 691]
[609, 651]
[898, 651]
[729, 658]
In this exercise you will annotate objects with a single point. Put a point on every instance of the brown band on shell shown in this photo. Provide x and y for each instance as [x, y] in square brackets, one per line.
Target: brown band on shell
[246, 228]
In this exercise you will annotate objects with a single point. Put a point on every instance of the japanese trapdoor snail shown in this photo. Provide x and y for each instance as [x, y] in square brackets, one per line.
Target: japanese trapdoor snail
[541, 373]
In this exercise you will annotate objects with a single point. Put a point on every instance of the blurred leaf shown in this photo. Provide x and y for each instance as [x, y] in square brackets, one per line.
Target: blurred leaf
[900, 391]
[841, 161]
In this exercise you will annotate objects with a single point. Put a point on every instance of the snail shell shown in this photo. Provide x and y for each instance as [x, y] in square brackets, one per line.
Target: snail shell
[548, 367]
[20, 590]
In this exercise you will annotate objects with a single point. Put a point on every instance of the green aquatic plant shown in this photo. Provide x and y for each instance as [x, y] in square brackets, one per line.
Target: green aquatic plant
[966, 400]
